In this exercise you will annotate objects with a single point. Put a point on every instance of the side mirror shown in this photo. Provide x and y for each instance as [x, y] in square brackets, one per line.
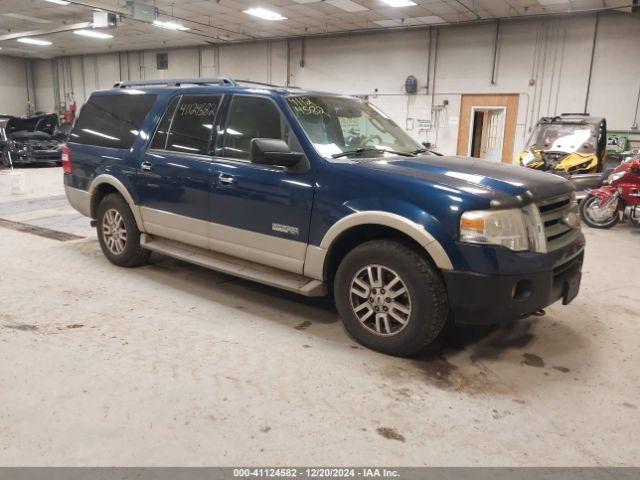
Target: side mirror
[276, 152]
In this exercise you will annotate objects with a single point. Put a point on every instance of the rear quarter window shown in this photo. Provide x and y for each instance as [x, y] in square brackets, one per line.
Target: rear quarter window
[112, 120]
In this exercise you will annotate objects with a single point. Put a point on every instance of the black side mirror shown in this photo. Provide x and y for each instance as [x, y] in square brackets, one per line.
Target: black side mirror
[276, 152]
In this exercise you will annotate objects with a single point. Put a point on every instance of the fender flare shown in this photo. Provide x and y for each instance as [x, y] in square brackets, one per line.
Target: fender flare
[316, 256]
[105, 178]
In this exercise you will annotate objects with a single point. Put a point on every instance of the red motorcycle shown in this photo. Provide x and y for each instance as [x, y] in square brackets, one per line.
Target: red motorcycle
[618, 197]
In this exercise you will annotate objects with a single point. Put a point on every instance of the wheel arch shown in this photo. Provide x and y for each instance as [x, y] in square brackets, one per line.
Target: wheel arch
[322, 261]
[103, 185]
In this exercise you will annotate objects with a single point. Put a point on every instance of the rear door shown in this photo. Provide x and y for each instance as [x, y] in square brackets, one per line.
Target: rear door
[175, 173]
[260, 213]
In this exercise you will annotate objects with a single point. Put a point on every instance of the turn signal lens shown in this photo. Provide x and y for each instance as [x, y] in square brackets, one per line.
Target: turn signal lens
[473, 224]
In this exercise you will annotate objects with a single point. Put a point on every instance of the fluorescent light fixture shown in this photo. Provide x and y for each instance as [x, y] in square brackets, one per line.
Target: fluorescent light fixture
[58, 2]
[34, 41]
[170, 25]
[93, 34]
[347, 5]
[399, 3]
[265, 14]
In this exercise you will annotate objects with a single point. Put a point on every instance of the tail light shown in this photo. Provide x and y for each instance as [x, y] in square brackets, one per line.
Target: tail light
[67, 166]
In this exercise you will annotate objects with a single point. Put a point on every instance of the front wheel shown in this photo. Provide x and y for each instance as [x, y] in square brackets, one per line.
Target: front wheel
[596, 216]
[390, 298]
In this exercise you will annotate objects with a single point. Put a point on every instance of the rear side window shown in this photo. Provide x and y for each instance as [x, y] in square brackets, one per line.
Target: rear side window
[112, 120]
[192, 125]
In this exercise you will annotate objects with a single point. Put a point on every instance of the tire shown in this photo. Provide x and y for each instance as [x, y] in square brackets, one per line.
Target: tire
[586, 204]
[124, 252]
[424, 308]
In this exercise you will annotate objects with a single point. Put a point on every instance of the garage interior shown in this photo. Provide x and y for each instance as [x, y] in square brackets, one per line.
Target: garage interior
[172, 364]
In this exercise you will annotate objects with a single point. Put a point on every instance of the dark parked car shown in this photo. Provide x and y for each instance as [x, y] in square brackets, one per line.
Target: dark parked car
[30, 140]
[317, 193]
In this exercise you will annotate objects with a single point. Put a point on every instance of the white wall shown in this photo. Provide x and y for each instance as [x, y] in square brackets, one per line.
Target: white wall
[546, 61]
[13, 86]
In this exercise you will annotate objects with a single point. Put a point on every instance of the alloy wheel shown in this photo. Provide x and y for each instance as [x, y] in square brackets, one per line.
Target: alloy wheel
[114, 231]
[380, 300]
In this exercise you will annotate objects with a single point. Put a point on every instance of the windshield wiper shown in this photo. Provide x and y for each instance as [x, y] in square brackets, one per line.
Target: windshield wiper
[358, 151]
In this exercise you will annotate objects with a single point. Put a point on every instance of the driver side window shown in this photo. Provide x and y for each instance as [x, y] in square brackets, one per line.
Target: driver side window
[249, 118]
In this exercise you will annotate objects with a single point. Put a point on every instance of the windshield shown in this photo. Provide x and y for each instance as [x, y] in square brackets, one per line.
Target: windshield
[567, 138]
[340, 126]
[42, 123]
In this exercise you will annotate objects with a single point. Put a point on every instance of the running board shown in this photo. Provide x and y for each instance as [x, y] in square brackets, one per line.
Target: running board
[236, 266]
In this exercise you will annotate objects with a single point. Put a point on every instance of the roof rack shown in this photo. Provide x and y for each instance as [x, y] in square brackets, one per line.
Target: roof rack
[176, 82]
[262, 84]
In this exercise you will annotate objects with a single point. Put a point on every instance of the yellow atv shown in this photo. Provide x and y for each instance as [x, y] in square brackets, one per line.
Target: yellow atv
[570, 144]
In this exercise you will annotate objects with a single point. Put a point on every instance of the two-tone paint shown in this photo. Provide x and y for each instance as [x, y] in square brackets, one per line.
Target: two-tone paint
[290, 220]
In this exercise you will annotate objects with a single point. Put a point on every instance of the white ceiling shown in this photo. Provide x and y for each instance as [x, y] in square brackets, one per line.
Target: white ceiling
[222, 21]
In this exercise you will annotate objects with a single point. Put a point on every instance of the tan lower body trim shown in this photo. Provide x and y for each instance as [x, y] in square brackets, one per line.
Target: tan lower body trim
[79, 199]
[281, 253]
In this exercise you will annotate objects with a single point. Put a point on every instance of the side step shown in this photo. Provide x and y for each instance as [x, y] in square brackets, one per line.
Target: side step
[236, 266]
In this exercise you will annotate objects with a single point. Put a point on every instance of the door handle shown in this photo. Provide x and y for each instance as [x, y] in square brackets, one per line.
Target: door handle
[146, 166]
[226, 180]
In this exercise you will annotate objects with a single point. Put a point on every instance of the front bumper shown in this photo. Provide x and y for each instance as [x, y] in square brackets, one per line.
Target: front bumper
[477, 298]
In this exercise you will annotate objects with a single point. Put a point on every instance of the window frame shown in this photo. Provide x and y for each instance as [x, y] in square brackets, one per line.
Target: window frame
[220, 150]
[211, 146]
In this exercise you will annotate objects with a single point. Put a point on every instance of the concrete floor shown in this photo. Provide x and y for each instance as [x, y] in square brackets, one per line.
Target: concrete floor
[172, 364]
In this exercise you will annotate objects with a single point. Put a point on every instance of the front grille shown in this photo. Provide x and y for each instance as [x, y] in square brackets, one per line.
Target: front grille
[557, 232]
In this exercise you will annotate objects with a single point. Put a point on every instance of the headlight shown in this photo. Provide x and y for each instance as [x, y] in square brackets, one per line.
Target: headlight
[614, 177]
[517, 229]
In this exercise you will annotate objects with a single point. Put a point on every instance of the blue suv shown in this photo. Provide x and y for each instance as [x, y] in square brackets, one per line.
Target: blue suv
[320, 193]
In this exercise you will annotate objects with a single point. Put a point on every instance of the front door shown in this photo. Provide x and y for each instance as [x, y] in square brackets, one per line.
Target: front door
[260, 213]
[174, 176]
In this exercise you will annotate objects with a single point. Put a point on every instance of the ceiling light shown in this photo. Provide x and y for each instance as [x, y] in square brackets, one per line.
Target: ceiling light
[170, 25]
[34, 41]
[93, 34]
[399, 3]
[58, 2]
[265, 14]
[347, 5]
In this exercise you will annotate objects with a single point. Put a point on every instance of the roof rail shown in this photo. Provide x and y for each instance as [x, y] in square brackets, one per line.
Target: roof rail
[262, 84]
[176, 82]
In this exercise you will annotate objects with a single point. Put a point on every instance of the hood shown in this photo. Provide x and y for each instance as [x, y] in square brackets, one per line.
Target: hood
[503, 184]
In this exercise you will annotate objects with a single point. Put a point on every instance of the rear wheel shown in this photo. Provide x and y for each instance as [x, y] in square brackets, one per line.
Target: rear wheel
[118, 233]
[596, 216]
[390, 298]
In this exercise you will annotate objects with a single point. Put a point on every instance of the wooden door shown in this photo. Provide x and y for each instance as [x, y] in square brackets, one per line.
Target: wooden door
[465, 131]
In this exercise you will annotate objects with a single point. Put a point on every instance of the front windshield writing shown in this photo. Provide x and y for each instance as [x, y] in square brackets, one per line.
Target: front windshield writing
[336, 125]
